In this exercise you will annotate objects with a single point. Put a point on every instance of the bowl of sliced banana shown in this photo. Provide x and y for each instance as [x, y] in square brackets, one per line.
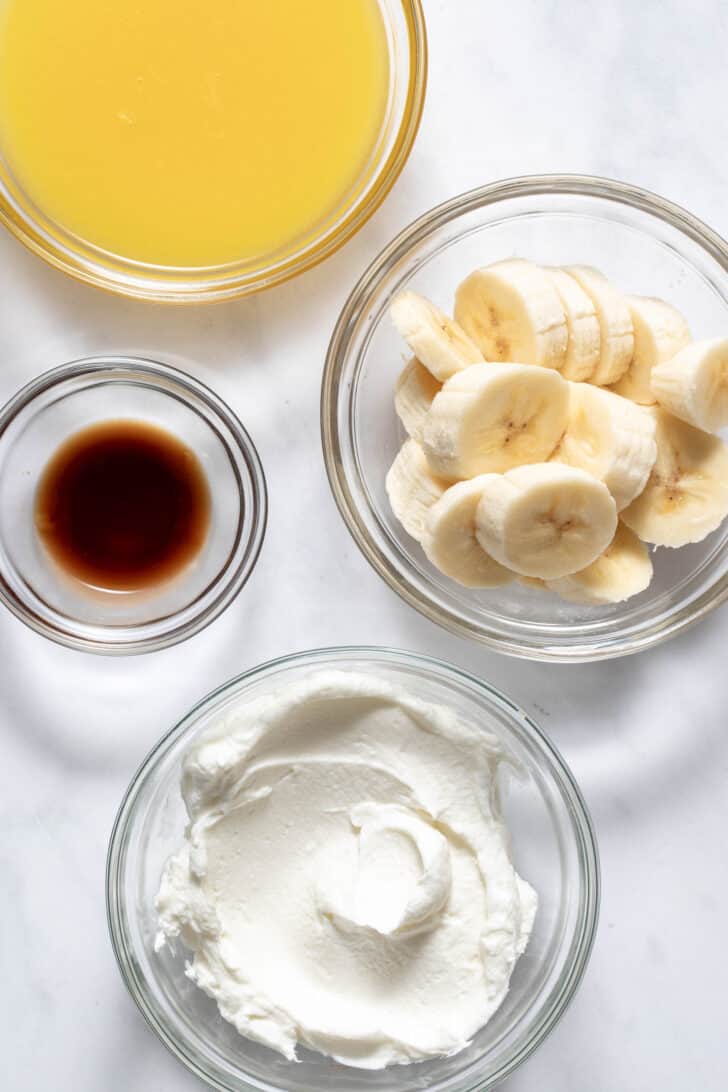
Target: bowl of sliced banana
[522, 411]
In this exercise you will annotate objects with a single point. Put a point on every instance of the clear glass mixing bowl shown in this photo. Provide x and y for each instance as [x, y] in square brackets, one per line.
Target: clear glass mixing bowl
[58, 404]
[647, 246]
[407, 42]
[553, 846]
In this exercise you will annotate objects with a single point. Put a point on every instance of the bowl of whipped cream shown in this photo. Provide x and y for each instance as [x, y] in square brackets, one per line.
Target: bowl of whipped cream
[357, 869]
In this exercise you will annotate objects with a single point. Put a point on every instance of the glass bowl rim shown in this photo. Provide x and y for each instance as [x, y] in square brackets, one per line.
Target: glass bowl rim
[228, 582]
[368, 285]
[523, 726]
[117, 275]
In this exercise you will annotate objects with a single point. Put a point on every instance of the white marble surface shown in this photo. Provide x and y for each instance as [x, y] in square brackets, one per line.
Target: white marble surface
[635, 91]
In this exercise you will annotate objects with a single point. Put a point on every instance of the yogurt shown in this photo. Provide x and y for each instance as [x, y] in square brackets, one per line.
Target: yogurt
[345, 882]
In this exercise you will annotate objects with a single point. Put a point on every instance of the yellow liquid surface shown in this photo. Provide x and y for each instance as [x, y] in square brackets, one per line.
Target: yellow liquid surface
[190, 132]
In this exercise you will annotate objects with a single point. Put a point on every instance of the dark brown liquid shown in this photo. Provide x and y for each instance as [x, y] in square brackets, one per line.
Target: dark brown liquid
[123, 505]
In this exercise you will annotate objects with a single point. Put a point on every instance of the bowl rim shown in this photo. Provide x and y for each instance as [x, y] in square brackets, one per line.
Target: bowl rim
[125, 277]
[577, 185]
[231, 580]
[523, 726]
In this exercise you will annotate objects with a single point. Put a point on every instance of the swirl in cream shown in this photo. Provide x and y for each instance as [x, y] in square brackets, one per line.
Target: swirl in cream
[345, 882]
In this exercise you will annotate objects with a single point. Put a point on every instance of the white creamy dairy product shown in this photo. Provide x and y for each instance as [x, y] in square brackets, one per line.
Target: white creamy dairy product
[345, 881]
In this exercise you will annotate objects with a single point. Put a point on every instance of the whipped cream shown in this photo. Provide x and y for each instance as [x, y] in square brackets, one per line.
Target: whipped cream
[345, 882]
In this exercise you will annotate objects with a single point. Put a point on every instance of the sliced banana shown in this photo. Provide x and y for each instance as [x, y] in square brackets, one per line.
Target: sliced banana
[611, 438]
[412, 488]
[438, 342]
[582, 350]
[615, 324]
[547, 520]
[694, 384]
[686, 496]
[534, 582]
[660, 331]
[413, 396]
[512, 311]
[450, 543]
[490, 417]
[623, 570]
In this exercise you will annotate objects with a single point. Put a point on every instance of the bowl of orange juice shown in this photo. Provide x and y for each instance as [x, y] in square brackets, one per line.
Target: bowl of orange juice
[177, 152]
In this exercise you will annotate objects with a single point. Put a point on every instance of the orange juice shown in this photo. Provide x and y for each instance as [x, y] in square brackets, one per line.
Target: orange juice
[190, 132]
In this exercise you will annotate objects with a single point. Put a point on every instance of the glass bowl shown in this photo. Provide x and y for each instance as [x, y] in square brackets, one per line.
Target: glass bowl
[648, 246]
[553, 846]
[405, 27]
[39, 418]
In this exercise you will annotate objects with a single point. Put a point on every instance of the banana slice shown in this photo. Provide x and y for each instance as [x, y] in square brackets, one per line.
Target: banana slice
[413, 396]
[615, 324]
[534, 582]
[546, 520]
[686, 496]
[611, 438]
[582, 350]
[450, 543]
[660, 331]
[512, 311]
[694, 384]
[436, 340]
[412, 488]
[490, 417]
[623, 570]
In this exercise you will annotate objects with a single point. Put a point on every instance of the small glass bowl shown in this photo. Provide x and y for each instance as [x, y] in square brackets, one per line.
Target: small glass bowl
[647, 246]
[407, 41]
[39, 418]
[553, 845]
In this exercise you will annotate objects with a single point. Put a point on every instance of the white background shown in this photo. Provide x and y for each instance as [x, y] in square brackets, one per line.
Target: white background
[636, 91]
